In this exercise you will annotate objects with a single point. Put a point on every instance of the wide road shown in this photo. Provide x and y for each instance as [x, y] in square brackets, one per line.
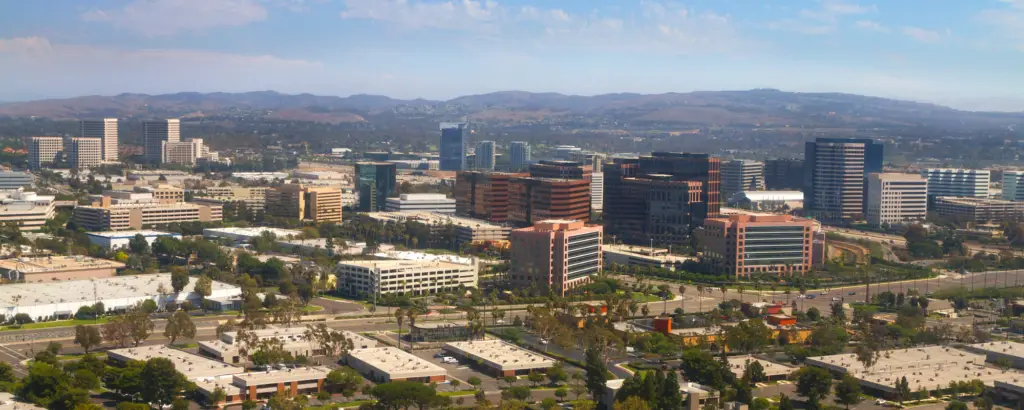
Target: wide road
[887, 239]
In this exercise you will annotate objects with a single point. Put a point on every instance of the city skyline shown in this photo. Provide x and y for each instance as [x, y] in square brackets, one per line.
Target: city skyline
[961, 54]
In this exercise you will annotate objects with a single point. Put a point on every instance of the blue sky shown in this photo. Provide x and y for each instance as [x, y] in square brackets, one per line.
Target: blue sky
[964, 53]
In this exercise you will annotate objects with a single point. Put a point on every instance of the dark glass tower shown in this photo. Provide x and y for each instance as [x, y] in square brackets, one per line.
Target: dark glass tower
[454, 145]
[375, 181]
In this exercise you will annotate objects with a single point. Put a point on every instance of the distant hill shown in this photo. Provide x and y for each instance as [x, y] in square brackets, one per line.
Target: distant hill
[756, 108]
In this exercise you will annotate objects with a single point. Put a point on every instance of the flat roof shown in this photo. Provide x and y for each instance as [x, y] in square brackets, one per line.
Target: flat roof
[8, 402]
[280, 376]
[69, 291]
[1002, 347]
[278, 232]
[130, 234]
[193, 366]
[359, 341]
[422, 256]
[771, 369]
[441, 325]
[57, 263]
[431, 217]
[501, 355]
[396, 362]
[397, 264]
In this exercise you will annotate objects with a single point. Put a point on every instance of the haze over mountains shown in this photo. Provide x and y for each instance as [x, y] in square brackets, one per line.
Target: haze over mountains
[760, 107]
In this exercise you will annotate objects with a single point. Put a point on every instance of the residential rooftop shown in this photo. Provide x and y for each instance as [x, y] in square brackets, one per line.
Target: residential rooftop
[500, 354]
[192, 366]
[57, 263]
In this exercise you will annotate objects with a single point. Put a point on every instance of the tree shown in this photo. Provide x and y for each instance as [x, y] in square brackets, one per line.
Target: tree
[536, 378]
[902, 390]
[7, 373]
[631, 403]
[218, 395]
[848, 391]
[983, 403]
[561, 393]
[116, 331]
[785, 403]
[748, 336]
[813, 314]
[813, 383]
[838, 313]
[87, 337]
[956, 405]
[180, 325]
[161, 384]
[403, 394]
[138, 324]
[474, 381]
[179, 278]
[344, 380]
[557, 374]
[43, 384]
[204, 286]
[760, 403]
[138, 245]
[670, 397]
[755, 372]
[596, 371]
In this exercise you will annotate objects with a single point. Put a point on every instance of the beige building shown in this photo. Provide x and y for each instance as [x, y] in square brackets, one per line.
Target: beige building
[896, 198]
[106, 131]
[318, 204]
[51, 268]
[415, 277]
[186, 152]
[84, 153]
[254, 198]
[44, 151]
[26, 209]
[155, 133]
[555, 254]
[164, 193]
[106, 216]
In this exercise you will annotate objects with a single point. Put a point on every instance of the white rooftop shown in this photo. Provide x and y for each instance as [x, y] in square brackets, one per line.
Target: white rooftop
[131, 234]
[395, 362]
[118, 287]
[359, 341]
[429, 257]
[431, 217]
[1002, 347]
[501, 355]
[251, 232]
[771, 369]
[57, 263]
[423, 197]
[191, 365]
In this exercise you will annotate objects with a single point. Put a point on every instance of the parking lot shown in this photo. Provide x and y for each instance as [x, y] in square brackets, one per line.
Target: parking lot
[461, 371]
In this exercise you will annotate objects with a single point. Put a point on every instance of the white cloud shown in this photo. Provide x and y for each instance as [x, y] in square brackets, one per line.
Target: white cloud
[823, 20]
[922, 35]
[48, 69]
[418, 14]
[1008, 23]
[872, 26]
[166, 17]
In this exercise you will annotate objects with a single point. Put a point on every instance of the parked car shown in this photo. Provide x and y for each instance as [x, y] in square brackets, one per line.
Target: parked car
[449, 360]
[852, 293]
[810, 296]
[542, 341]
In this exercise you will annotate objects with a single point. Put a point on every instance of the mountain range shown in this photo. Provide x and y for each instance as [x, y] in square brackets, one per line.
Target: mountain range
[759, 108]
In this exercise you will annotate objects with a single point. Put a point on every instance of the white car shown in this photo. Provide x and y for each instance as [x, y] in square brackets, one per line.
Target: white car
[449, 360]
[543, 341]
[880, 402]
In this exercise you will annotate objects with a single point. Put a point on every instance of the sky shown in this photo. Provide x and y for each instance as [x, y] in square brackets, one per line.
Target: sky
[967, 54]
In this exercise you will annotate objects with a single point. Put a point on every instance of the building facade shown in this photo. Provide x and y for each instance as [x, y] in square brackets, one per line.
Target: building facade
[421, 202]
[1013, 185]
[454, 146]
[519, 155]
[317, 204]
[155, 133]
[254, 198]
[536, 199]
[555, 255]
[835, 181]
[662, 196]
[896, 198]
[485, 155]
[11, 180]
[186, 152]
[483, 195]
[742, 175]
[117, 240]
[106, 216]
[26, 209]
[561, 170]
[104, 129]
[413, 277]
[970, 183]
[783, 174]
[597, 192]
[745, 245]
[44, 152]
[979, 210]
[375, 182]
[84, 153]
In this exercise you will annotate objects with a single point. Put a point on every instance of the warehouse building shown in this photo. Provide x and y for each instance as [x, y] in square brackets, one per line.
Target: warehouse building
[293, 340]
[62, 299]
[117, 240]
[772, 370]
[1004, 350]
[59, 267]
[241, 235]
[499, 357]
[388, 364]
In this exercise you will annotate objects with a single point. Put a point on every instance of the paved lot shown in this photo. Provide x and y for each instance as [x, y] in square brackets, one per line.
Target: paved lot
[460, 371]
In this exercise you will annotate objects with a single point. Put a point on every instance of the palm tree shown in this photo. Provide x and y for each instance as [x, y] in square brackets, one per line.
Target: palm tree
[700, 294]
[412, 314]
[400, 318]
[803, 292]
[740, 289]
[722, 289]
[787, 291]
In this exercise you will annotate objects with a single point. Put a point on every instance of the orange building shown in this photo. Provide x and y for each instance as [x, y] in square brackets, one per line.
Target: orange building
[743, 245]
[537, 199]
[483, 195]
[556, 255]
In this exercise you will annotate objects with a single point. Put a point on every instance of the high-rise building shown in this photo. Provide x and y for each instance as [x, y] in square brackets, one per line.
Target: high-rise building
[485, 155]
[745, 245]
[44, 151]
[1013, 185]
[317, 204]
[536, 199]
[483, 195]
[597, 192]
[454, 146]
[971, 183]
[835, 181]
[741, 175]
[186, 152]
[660, 197]
[566, 152]
[519, 155]
[375, 181]
[555, 255]
[106, 131]
[896, 198]
[783, 174]
[560, 169]
[155, 133]
[83, 153]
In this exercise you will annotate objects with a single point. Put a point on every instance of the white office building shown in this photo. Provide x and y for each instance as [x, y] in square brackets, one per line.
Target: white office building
[44, 152]
[958, 182]
[84, 153]
[741, 175]
[111, 240]
[597, 192]
[26, 209]
[106, 131]
[1013, 185]
[421, 202]
[485, 154]
[413, 277]
[896, 198]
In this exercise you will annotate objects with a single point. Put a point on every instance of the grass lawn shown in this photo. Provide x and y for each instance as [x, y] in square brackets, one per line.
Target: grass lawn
[57, 323]
[311, 308]
[332, 406]
[68, 357]
[185, 345]
[457, 393]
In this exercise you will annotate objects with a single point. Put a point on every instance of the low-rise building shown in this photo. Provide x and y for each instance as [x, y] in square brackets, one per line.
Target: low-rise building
[119, 239]
[293, 340]
[439, 331]
[254, 198]
[695, 396]
[629, 255]
[62, 299]
[58, 267]
[359, 341]
[242, 235]
[26, 209]
[11, 180]
[998, 352]
[467, 230]
[388, 364]
[422, 203]
[106, 216]
[744, 245]
[415, 277]
[500, 358]
[979, 210]
[772, 370]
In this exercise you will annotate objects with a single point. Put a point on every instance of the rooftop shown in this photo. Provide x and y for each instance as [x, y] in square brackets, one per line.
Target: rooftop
[57, 264]
[422, 197]
[394, 361]
[431, 217]
[191, 365]
[130, 234]
[118, 287]
[253, 232]
[771, 369]
[280, 376]
[7, 402]
[395, 264]
[359, 341]
[502, 355]
[429, 257]
[1004, 347]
